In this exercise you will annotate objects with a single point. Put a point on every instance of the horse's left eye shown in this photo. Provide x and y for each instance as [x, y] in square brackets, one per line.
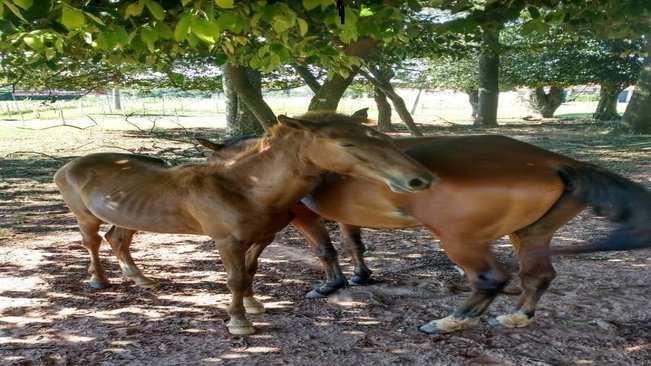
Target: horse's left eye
[346, 144]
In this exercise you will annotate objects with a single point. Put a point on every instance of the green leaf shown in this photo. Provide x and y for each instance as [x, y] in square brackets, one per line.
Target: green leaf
[164, 30]
[231, 21]
[15, 10]
[156, 10]
[205, 30]
[226, 4]
[32, 41]
[121, 36]
[94, 18]
[72, 18]
[220, 59]
[182, 28]
[25, 4]
[302, 26]
[311, 4]
[135, 9]
[534, 25]
[282, 22]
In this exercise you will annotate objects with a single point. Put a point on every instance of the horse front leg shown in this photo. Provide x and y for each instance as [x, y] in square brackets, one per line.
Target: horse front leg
[352, 242]
[239, 282]
[251, 304]
[120, 240]
[311, 226]
[487, 279]
[91, 240]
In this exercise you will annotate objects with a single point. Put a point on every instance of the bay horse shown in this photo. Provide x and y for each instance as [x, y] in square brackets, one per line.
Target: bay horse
[241, 204]
[489, 186]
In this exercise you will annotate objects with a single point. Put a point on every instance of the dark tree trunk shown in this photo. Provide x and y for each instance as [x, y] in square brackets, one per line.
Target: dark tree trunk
[546, 103]
[117, 100]
[607, 106]
[381, 79]
[246, 90]
[329, 94]
[637, 117]
[240, 120]
[489, 62]
[309, 79]
[473, 99]
[384, 111]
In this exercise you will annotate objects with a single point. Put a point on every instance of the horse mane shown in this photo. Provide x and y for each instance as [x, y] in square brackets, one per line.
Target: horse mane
[279, 129]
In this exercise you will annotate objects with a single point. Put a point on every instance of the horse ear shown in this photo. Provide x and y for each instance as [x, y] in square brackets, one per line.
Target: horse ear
[299, 124]
[210, 145]
[361, 114]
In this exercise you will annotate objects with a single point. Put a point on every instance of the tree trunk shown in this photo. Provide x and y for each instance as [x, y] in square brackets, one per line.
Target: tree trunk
[117, 101]
[240, 120]
[473, 99]
[381, 79]
[384, 111]
[309, 79]
[637, 117]
[547, 103]
[489, 62]
[252, 96]
[607, 106]
[329, 94]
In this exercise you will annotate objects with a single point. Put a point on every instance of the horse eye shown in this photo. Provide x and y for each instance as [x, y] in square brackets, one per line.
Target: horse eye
[346, 144]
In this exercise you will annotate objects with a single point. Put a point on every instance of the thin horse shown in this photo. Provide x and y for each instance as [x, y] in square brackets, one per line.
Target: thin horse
[241, 204]
[490, 186]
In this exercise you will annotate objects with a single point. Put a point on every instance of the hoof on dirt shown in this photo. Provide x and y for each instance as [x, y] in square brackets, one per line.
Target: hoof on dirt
[148, 284]
[516, 319]
[242, 327]
[96, 285]
[360, 281]
[323, 291]
[253, 306]
[448, 324]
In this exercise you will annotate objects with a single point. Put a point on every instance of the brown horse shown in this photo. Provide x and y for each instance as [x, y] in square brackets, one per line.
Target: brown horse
[490, 186]
[241, 204]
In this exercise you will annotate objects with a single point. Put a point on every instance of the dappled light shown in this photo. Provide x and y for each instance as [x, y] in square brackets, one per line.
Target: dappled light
[596, 311]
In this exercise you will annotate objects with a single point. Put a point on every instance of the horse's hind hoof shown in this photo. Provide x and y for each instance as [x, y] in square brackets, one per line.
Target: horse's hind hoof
[516, 319]
[98, 285]
[448, 324]
[317, 293]
[253, 306]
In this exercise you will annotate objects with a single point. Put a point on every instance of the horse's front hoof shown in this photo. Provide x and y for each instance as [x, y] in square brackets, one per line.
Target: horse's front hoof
[360, 281]
[325, 290]
[149, 284]
[448, 324]
[98, 285]
[253, 306]
[242, 327]
[516, 319]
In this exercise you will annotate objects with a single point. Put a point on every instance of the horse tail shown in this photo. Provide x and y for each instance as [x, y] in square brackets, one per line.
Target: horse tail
[618, 199]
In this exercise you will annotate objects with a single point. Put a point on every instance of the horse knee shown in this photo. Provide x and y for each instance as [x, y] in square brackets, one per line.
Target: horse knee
[325, 251]
[490, 282]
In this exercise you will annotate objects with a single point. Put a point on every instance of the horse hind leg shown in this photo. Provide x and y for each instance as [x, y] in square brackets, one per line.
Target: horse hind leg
[352, 243]
[487, 279]
[120, 240]
[536, 272]
[311, 226]
[91, 240]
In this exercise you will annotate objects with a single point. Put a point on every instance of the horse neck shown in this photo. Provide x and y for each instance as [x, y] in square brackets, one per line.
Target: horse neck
[277, 176]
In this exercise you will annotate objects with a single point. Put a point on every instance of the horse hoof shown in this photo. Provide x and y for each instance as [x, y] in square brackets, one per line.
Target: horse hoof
[240, 327]
[317, 294]
[247, 330]
[253, 306]
[448, 324]
[98, 285]
[516, 319]
[360, 281]
[155, 284]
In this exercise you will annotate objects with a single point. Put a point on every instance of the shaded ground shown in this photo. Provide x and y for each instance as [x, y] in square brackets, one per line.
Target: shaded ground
[596, 312]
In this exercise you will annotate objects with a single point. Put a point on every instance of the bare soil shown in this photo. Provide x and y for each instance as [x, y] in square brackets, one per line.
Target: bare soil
[596, 312]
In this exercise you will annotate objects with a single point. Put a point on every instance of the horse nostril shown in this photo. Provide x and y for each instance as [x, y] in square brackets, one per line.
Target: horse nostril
[419, 183]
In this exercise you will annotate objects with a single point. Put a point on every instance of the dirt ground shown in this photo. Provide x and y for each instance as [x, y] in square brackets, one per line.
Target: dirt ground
[596, 312]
